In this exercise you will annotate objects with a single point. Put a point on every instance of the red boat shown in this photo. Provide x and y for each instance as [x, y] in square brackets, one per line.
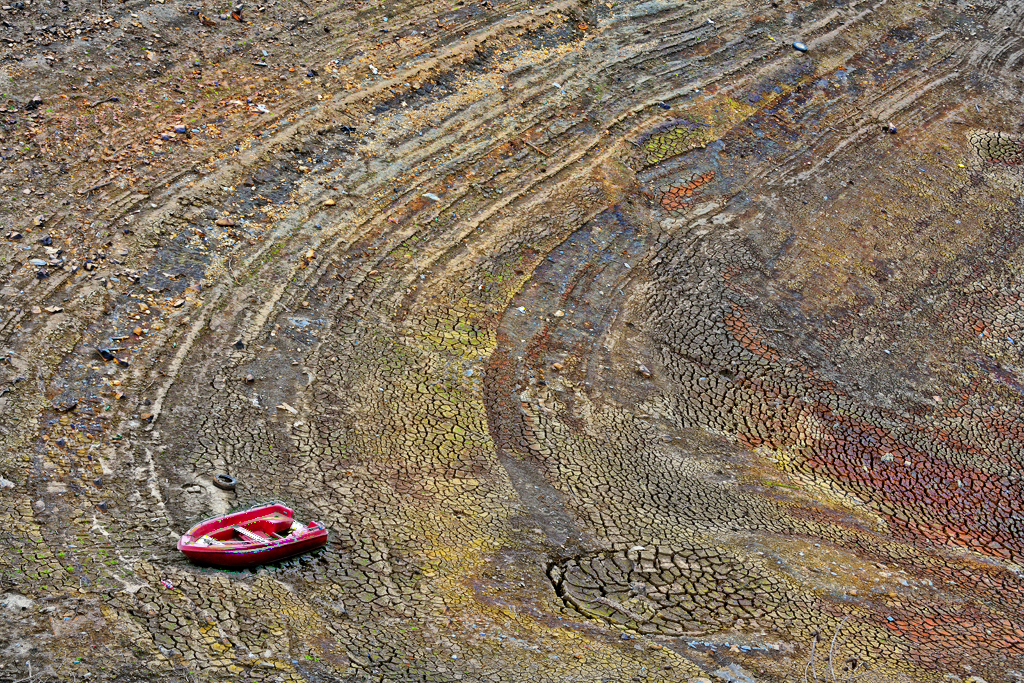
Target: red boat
[245, 539]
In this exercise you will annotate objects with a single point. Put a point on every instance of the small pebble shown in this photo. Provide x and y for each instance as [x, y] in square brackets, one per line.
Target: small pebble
[799, 47]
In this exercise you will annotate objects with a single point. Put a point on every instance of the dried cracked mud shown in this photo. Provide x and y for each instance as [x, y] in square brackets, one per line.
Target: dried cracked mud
[612, 341]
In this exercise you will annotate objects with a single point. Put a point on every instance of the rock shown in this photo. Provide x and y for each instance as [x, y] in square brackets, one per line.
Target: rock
[642, 369]
[179, 129]
[14, 235]
[226, 222]
[105, 354]
[431, 196]
[6, 483]
[285, 406]
[890, 128]
[249, 379]
[53, 309]
[37, 262]
[734, 673]
[36, 310]
[38, 221]
[799, 47]
[39, 506]
[557, 366]
[329, 202]
[137, 331]
[64, 403]
[559, 313]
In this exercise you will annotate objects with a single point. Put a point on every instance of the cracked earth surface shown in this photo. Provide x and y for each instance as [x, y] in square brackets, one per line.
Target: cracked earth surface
[611, 341]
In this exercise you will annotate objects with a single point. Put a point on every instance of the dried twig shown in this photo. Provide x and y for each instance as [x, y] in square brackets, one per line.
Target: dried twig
[535, 147]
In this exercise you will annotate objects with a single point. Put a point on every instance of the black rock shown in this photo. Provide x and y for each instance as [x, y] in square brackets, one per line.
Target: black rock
[122, 362]
[239, 344]
[46, 241]
[105, 354]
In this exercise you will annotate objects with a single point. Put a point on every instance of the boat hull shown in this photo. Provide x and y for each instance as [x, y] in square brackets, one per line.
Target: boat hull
[253, 553]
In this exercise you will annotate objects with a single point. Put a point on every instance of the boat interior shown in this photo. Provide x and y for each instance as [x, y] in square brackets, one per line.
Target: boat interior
[275, 526]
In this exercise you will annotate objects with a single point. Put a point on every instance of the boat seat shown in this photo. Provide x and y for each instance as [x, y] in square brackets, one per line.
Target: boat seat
[251, 535]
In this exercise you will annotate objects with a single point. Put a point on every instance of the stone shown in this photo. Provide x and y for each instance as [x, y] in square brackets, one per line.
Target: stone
[226, 222]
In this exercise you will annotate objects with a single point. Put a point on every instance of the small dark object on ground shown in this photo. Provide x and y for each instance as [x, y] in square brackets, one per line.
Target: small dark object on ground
[224, 482]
